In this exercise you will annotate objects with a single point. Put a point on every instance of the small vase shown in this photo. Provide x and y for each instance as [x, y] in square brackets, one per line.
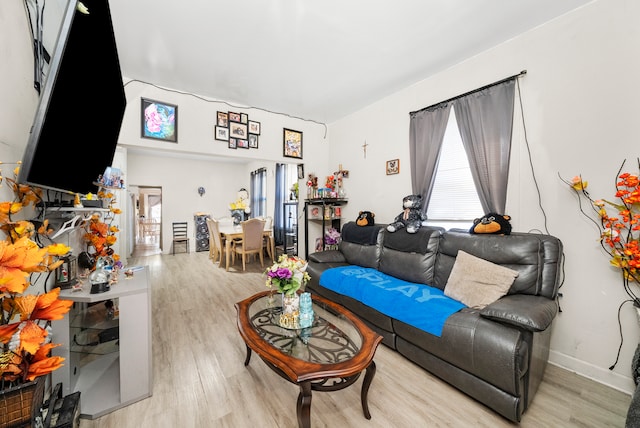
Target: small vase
[290, 310]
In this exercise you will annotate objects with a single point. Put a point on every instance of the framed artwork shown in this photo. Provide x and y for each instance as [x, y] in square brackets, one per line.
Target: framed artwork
[222, 133]
[233, 143]
[223, 119]
[393, 166]
[300, 170]
[254, 127]
[159, 121]
[234, 117]
[242, 144]
[253, 141]
[244, 118]
[238, 130]
[292, 143]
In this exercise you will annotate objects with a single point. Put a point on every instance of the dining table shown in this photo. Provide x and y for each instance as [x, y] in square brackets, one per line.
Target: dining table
[230, 232]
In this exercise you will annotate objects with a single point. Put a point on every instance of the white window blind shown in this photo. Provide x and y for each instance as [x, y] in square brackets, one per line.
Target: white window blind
[454, 195]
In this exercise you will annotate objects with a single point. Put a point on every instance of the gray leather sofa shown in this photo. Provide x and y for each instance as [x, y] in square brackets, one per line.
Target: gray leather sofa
[496, 355]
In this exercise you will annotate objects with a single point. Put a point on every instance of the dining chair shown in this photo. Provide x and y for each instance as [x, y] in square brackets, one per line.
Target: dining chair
[266, 240]
[180, 235]
[251, 241]
[216, 246]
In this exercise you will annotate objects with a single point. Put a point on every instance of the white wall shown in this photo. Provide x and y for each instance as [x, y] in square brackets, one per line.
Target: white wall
[579, 98]
[198, 159]
[580, 118]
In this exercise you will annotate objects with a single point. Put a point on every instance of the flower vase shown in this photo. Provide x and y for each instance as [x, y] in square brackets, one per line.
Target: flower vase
[290, 310]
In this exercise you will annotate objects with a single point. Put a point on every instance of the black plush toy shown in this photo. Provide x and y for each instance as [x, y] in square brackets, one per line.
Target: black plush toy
[411, 217]
[366, 218]
[492, 223]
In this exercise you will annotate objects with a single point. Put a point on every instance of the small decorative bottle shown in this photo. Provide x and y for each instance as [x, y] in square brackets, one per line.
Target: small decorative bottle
[306, 311]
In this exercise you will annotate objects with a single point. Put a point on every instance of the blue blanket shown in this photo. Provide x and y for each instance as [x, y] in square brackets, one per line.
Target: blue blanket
[419, 305]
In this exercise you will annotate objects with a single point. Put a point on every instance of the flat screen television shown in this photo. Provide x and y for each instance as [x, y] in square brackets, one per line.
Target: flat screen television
[77, 123]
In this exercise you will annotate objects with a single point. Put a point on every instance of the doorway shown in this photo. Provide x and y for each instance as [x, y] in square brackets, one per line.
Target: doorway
[147, 218]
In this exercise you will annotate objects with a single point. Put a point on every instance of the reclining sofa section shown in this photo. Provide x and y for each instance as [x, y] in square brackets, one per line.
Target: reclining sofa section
[497, 354]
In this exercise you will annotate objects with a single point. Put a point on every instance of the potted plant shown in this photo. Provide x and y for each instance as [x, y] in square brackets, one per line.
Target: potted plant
[25, 314]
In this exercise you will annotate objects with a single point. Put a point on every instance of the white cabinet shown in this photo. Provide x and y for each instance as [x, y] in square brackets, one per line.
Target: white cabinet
[107, 356]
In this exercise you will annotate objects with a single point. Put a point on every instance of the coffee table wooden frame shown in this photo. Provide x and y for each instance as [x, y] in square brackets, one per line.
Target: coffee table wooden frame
[307, 375]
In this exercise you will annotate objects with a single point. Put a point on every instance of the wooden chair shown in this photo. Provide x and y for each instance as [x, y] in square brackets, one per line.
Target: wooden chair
[268, 224]
[180, 235]
[216, 246]
[251, 242]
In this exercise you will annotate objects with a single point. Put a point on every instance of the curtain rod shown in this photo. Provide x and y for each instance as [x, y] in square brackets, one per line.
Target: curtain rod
[522, 73]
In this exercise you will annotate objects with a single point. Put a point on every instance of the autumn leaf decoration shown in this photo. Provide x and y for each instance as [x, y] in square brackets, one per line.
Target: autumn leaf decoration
[25, 315]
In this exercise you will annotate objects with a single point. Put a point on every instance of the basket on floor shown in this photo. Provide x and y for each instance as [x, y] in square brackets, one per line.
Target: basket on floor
[21, 404]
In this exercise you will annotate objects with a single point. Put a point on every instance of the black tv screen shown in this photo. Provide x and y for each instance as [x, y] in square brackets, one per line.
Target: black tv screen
[77, 123]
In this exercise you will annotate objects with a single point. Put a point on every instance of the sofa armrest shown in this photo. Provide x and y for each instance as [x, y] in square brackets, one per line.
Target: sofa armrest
[533, 313]
[329, 256]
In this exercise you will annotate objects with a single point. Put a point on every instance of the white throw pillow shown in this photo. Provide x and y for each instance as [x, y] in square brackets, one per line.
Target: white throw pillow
[477, 282]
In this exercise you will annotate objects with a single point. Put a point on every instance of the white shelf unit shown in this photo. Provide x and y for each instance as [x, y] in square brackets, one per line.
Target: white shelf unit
[115, 373]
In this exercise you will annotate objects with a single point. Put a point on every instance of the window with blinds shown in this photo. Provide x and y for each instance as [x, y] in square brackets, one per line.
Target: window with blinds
[454, 197]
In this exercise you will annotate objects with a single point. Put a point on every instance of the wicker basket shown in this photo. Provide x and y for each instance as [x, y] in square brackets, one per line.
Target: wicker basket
[20, 405]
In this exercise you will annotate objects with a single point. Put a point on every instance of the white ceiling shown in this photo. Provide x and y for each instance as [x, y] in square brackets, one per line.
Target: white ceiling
[313, 59]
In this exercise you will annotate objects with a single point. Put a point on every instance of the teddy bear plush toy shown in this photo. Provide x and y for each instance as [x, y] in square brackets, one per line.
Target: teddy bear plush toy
[411, 217]
[366, 218]
[492, 223]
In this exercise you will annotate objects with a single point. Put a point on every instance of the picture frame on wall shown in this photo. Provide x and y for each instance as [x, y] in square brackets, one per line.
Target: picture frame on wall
[159, 120]
[242, 143]
[222, 133]
[223, 119]
[292, 143]
[254, 127]
[393, 166]
[300, 170]
[233, 143]
[234, 117]
[253, 141]
[238, 130]
[244, 118]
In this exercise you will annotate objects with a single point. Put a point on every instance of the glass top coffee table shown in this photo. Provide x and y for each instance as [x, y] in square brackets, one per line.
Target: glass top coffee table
[328, 356]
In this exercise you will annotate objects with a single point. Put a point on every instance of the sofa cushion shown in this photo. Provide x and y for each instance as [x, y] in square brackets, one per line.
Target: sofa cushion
[477, 282]
[419, 305]
[361, 244]
[536, 257]
[410, 256]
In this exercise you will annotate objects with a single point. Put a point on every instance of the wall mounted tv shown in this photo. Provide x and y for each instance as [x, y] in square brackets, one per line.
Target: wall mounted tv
[77, 123]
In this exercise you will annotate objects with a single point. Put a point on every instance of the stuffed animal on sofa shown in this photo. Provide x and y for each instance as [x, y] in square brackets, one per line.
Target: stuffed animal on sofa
[411, 217]
[365, 218]
[492, 223]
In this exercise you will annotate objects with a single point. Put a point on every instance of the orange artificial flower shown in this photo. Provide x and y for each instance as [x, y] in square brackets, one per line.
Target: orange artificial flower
[24, 317]
[619, 235]
[49, 307]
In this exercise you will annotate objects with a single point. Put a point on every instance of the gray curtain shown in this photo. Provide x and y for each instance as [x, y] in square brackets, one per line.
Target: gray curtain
[426, 132]
[485, 120]
[281, 196]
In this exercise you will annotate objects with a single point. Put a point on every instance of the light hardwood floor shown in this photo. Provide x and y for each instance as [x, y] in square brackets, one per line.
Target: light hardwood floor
[200, 380]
